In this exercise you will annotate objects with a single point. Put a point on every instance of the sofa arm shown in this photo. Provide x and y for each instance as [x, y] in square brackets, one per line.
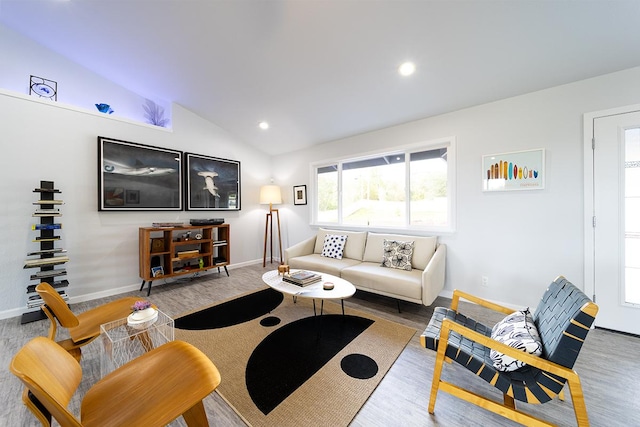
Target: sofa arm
[433, 275]
[305, 247]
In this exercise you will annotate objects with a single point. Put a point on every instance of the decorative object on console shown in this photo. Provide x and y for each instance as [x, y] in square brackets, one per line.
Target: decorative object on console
[157, 245]
[211, 183]
[167, 224]
[49, 257]
[300, 195]
[154, 172]
[43, 88]
[210, 221]
[270, 195]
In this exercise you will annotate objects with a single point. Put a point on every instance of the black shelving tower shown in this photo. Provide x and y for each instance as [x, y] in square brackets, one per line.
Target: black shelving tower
[49, 258]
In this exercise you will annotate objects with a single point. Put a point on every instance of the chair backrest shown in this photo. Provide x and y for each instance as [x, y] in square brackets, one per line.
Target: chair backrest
[51, 375]
[57, 305]
[563, 318]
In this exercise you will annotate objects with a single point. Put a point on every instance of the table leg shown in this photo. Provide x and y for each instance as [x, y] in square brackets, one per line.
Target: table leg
[145, 340]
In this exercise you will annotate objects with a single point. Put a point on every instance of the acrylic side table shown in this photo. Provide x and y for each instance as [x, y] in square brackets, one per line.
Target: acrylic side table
[122, 343]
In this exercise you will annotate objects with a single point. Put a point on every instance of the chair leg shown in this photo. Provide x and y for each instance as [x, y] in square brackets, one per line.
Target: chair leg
[196, 416]
[72, 348]
[36, 408]
[53, 326]
[437, 370]
[579, 407]
[146, 341]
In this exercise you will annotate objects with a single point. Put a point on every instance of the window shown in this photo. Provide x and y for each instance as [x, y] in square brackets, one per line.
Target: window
[400, 189]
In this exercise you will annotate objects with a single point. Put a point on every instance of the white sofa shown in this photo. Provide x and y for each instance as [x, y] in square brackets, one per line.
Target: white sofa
[361, 264]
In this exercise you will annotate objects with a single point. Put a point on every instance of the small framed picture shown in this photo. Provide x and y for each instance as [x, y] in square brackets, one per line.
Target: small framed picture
[300, 195]
[517, 170]
[43, 88]
[157, 271]
[157, 245]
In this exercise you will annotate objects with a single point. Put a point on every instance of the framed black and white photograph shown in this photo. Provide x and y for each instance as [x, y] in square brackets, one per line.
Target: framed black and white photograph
[300, 195]
[211, 183]
[137, 177]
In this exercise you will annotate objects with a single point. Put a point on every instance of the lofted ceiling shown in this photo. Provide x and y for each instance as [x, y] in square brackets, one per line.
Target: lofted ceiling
[320, 70]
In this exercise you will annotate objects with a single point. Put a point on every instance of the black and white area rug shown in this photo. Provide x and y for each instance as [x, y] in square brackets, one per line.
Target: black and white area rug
[281, 365]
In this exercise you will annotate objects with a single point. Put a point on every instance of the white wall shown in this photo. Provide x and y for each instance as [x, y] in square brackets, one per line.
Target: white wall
[22, 57]
[520, 240]
[50, 141]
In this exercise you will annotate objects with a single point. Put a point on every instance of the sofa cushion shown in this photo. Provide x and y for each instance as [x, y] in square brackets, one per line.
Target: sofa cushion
[423, 250]
[333, 245]
[397, 254]
[316, 262]
[353, 248]
[390, 281]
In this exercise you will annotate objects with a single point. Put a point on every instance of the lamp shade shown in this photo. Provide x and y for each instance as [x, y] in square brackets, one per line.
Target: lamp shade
[270, 194]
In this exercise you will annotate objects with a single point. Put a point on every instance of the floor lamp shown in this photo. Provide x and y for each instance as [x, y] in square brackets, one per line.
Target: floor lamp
[270, 195]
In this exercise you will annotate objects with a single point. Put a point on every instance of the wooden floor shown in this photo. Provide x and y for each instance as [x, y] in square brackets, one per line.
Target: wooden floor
[609, 365]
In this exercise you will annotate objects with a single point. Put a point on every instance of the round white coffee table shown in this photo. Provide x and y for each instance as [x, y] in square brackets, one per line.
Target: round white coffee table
[341, 288]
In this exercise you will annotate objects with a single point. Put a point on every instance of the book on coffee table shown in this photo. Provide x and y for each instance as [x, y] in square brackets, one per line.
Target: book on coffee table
[302, 278]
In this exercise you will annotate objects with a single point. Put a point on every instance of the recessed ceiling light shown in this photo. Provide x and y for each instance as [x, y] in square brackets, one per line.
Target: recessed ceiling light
[407, 69]
[263, 125]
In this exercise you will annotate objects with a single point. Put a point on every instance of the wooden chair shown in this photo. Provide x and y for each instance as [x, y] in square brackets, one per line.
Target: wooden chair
[84, 327]
[563, 318]
[152, 390]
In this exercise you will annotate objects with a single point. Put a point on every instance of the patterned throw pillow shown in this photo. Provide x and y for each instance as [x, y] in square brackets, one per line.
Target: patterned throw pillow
[397, 254]
[517, 330]
[333, 245]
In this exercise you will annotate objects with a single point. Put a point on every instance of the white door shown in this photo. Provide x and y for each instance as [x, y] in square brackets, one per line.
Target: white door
[616, 222]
